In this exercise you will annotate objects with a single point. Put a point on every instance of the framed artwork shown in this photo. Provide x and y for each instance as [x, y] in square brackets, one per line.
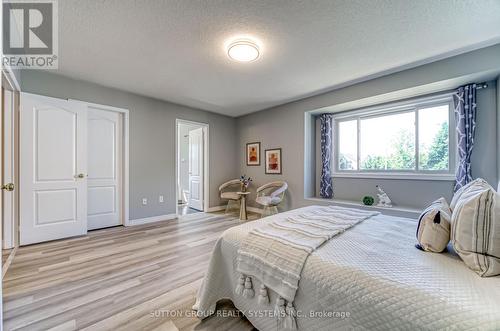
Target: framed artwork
[273, 161]
[253, 154]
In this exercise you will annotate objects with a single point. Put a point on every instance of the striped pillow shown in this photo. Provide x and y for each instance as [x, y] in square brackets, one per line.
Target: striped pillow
[458, 194]
[433, 230]
[475, 229]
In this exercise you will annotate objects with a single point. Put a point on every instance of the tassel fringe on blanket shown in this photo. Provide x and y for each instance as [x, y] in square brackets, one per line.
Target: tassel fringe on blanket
[284, 311]
[241, 285]
[263, 296]
[245, 287]
[289, 241]
[286, 314]
[248, 292]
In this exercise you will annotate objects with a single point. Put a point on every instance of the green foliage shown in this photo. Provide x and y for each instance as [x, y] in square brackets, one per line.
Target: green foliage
[403, 157]
[368, 200]
[436, 157]
[345, 163]
[374, 162]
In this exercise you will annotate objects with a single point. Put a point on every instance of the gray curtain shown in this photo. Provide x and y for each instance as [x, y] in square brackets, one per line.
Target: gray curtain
[465, 117]
[326, 185]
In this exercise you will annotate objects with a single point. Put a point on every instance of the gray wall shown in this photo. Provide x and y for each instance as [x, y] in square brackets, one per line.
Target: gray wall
[286, 126]
[15, 72]
[484, 154]
[152, 139]
[498, 132]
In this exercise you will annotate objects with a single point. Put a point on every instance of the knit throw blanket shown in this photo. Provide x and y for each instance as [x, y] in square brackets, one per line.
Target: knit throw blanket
[276, 253]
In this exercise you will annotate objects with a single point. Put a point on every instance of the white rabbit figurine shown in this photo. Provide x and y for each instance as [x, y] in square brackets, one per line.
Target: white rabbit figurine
[383, 198]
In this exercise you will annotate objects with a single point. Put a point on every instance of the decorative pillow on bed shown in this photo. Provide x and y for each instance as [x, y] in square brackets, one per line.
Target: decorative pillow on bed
[458, 194]
[433, 231]
[475, 229]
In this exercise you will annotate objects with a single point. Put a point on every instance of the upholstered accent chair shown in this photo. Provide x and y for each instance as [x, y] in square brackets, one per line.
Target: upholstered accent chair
[228, 191]
[270, 195]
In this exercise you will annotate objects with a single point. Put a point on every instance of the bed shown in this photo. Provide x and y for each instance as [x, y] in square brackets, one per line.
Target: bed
[371, 277]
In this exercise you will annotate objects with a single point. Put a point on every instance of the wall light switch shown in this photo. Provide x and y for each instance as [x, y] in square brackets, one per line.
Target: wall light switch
[160, 199]
[144, 201]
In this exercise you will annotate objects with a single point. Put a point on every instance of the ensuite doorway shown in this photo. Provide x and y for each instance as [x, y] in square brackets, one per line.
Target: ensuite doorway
[192, 167]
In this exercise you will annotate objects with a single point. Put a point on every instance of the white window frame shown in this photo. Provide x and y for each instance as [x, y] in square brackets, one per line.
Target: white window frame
[413, 105]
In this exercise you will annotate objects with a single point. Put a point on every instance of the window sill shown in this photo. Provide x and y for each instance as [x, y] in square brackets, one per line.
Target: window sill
[408, 176]
[400, 211]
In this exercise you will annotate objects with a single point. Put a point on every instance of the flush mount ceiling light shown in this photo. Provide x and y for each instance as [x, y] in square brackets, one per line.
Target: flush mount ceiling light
[243, 50]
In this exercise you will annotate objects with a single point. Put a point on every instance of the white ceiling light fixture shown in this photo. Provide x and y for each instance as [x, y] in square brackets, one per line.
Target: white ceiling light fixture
[243, 50]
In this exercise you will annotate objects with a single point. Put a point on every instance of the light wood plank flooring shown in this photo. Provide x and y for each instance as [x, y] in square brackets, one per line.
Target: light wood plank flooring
[117, 278]
[5, 255]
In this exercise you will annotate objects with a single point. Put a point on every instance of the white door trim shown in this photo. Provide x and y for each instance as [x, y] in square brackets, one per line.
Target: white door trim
[11, 78]
[11, 239]
[125, 165]
[8, 168]
[206, 161]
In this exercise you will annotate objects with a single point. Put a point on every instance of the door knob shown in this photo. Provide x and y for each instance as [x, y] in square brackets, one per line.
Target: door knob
[8, 187]
[80, 176]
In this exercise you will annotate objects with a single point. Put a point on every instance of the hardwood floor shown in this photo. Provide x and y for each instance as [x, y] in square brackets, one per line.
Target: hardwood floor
[184, 209]
[118, 279]
[5, 255]
[7, 258]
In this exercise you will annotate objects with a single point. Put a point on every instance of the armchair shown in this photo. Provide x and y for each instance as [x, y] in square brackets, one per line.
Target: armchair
[228, 191]
[270, 195]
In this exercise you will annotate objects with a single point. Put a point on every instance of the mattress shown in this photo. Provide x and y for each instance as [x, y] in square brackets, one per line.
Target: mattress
[371, 277]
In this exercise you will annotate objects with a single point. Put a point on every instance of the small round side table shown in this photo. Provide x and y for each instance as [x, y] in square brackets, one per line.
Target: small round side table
[243, 205]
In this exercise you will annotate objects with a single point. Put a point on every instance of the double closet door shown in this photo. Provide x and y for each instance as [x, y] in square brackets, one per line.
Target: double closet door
[70, 168]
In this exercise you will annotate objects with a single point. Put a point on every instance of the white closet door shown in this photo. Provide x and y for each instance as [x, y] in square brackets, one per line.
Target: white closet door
[104, 173]
[196, 169]
[53, 167]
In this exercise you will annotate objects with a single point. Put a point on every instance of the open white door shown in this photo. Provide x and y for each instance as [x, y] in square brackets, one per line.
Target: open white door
[104, 166]
[196, 155]
[53, 167]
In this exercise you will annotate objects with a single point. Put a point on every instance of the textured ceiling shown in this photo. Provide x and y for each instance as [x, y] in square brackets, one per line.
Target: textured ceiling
[173, 49]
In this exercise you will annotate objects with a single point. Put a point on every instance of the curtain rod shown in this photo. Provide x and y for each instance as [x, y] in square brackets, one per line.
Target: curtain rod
[481, 85]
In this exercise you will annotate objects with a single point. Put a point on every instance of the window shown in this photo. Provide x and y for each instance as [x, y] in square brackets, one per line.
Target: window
[409, 139]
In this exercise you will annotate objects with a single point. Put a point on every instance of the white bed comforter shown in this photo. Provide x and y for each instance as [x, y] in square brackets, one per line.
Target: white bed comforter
[370, 277]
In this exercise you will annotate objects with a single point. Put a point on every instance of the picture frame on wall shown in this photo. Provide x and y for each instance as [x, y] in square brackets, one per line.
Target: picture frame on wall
[253, 154]
[273, 161]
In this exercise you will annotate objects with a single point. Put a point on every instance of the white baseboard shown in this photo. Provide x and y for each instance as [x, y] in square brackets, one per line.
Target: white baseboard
[219, 208]
[216, 208]
[152, 219]
[254, 210]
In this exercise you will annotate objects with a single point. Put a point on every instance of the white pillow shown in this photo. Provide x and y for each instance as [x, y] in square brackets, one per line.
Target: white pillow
[475, 228]
[458, 194]
[433, 231]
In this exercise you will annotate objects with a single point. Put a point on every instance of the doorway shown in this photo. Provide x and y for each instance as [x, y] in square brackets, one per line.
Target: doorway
[191, 167]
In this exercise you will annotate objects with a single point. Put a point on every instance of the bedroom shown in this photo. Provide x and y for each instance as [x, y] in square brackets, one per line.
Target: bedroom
[319, 103]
